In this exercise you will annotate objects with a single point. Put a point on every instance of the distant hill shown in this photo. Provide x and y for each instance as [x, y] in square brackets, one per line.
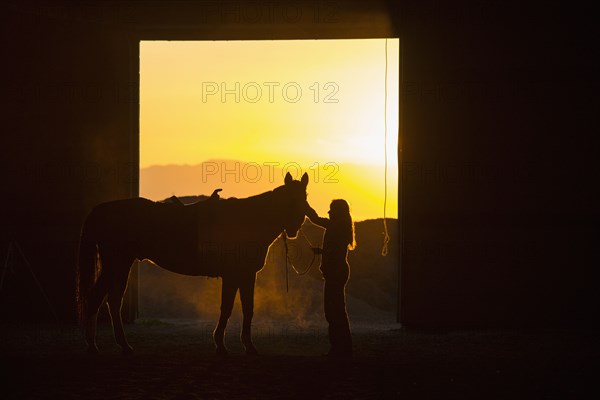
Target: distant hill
[371, 290]
[361, 185]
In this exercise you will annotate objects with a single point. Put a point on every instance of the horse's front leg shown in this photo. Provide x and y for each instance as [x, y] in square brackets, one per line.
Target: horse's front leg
[247, 297]
[228, 290]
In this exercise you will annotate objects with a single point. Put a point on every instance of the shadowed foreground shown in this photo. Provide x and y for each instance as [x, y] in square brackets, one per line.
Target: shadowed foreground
[176, 360]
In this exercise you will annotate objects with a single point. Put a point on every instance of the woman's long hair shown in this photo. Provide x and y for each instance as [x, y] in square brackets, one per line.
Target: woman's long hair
[341, 221]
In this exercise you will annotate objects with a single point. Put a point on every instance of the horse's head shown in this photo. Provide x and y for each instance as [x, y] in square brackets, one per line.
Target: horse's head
[294, 193]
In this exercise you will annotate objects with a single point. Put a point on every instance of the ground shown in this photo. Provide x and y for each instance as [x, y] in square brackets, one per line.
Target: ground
[175, 359]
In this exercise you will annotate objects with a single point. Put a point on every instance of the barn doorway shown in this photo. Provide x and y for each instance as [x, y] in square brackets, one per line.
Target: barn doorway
[238, 115]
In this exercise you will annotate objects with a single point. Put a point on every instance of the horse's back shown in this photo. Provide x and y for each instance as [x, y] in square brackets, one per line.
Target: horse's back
[164, 233]
[119, 215]
[206, 238]
[137, 221]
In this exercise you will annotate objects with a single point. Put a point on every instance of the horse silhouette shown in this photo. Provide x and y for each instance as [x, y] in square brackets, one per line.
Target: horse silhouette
[226, 238]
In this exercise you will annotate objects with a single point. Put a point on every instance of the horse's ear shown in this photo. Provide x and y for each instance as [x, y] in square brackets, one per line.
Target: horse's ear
[304, 179]
[288, 178]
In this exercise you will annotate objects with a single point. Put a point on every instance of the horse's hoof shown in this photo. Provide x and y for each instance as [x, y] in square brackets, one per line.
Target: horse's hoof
[93, 350]
[127, 350]
[222, 352]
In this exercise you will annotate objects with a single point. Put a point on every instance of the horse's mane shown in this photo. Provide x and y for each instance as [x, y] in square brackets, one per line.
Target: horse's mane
[255, 199]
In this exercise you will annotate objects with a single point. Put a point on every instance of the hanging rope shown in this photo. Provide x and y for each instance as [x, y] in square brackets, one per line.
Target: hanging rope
[386, 236]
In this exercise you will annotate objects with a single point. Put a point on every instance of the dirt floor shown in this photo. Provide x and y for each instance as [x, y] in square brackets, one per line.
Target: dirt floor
[175, 359]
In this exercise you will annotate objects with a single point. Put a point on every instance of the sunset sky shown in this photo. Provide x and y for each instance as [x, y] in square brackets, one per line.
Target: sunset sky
[269, 107]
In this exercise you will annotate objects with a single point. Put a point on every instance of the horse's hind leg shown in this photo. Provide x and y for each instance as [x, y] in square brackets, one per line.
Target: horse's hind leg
[228, 291]
[247, 299]
[115, 301]
[94, 300]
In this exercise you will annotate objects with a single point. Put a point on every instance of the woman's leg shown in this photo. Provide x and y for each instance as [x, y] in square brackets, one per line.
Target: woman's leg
[335, 313]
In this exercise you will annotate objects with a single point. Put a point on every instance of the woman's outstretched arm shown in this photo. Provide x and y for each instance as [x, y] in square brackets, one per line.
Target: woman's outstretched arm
[314, 217]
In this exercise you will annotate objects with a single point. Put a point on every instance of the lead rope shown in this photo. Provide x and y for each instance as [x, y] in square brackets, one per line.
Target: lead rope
[287, 282]
[287, 278]
[311, 261]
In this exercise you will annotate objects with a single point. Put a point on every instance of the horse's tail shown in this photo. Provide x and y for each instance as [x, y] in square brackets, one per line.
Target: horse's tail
[87, 266]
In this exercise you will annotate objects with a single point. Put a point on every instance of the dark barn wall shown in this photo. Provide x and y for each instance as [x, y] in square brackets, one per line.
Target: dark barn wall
[66, 143]
[498, 200]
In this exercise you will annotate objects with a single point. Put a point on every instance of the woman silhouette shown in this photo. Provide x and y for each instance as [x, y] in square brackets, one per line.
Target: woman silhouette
[339, 238]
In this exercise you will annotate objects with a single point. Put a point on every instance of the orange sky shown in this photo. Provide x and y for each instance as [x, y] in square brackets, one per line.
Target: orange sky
[273, 106]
